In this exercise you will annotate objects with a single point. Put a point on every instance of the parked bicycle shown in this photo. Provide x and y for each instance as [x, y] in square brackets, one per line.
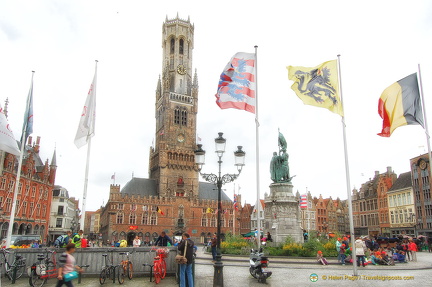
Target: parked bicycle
[19, 263]
[109, 270]
[127, 264]
[44, 269]
[159, 263]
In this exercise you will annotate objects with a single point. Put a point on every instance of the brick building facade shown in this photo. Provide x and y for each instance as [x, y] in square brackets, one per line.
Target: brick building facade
[34, 191]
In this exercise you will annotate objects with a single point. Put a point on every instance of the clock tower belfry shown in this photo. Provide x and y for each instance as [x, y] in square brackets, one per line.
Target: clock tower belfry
[172, 161]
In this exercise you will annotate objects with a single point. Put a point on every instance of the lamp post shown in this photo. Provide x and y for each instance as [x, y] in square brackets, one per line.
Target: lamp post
[73, 225]
[219, 180]
[414, 221]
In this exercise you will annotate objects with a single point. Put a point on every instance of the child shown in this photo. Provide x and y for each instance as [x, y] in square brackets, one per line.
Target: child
[321, 259]
[342, 254]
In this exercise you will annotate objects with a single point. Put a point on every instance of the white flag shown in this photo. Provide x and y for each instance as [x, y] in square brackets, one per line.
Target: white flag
[7, 139]
[86, 127]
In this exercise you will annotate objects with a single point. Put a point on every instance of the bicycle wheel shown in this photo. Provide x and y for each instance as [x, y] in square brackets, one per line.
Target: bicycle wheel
[112, 273]
[130, 270]
[163, 268]
[36, 280]
[21, 266]
[51, 271]
[121, 273]
[103, 276]
[157, 272]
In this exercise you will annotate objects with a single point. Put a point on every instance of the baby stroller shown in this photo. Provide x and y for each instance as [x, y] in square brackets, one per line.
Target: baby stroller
[386, 260]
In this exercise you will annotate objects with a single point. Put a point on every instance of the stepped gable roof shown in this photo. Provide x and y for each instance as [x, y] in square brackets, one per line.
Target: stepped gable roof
[140, 186]
[403, 181]
[209, 191]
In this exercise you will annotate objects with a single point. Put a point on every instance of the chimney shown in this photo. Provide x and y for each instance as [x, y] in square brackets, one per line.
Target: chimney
[36, 147]
[376, 172]
[389, 169]
[29, 140]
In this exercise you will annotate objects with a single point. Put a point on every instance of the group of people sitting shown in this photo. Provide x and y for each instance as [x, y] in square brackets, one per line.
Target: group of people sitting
[365, 255]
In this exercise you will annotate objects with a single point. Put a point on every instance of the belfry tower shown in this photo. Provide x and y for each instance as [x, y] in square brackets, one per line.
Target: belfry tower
[172, 162]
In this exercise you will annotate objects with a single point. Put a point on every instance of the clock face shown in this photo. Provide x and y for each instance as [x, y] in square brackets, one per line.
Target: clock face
[423, 164]
[180, 138]
[181, 69]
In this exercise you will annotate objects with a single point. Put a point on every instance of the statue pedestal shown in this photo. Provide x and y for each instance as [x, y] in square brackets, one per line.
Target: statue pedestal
[282, 213]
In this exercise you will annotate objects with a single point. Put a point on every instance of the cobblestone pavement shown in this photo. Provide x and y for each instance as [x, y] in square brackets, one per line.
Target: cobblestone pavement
[286, 272]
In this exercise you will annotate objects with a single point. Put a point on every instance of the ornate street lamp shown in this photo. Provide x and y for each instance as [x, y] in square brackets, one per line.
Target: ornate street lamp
[73, 225]
[219, 180]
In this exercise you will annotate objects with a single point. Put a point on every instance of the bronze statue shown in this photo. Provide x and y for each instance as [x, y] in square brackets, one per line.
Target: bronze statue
[279, 168]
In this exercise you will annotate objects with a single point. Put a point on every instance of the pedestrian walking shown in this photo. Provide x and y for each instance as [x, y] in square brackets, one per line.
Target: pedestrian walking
[214, 247]
[67, 265]
[186, 269]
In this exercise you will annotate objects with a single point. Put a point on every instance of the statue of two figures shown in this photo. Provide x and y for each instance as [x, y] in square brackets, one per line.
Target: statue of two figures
[279, 168]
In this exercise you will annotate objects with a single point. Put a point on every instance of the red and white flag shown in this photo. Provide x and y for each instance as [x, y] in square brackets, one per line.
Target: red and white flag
[235, 202]
[86, 127]
[237, 84]
[303, 201]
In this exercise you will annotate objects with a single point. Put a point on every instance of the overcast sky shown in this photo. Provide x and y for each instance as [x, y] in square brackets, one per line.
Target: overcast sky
[379, 42]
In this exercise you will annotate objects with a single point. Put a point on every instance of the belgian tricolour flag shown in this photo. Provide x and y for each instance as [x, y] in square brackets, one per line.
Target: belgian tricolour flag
[160, 211]
[400, 105]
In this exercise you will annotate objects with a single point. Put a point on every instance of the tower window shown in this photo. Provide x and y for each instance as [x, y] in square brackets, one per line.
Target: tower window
[172, 46]
[184, 118]
[177, 116]
[181, 47]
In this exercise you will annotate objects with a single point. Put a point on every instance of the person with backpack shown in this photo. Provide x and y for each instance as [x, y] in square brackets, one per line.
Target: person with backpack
[76, 239]
[63, 240]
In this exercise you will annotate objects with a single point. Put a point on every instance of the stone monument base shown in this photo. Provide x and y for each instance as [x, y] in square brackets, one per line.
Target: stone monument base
[282, 213]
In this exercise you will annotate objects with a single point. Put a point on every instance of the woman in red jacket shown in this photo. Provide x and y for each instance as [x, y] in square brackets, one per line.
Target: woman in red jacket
[413, 248]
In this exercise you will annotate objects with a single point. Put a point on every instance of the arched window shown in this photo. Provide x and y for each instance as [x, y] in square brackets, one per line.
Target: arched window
[132, 218]
[172, 43]
[153, 219]
[204, 221]
[230, 223]
[181, 47]
[119, 218]
[213, 222]
[184, 118]
[145, 218]
[177, 116]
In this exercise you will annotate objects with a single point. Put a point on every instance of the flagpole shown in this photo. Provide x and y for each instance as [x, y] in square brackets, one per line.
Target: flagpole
[257, 149]
[347, 175]
[425, 120]
[18, 177]
[89, 138]
[234, 220]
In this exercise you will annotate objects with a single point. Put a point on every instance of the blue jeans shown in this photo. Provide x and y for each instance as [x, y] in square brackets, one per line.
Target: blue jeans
[362, 259]
[61, 282]
[214, 251]
[186, 270]
[343, 257]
